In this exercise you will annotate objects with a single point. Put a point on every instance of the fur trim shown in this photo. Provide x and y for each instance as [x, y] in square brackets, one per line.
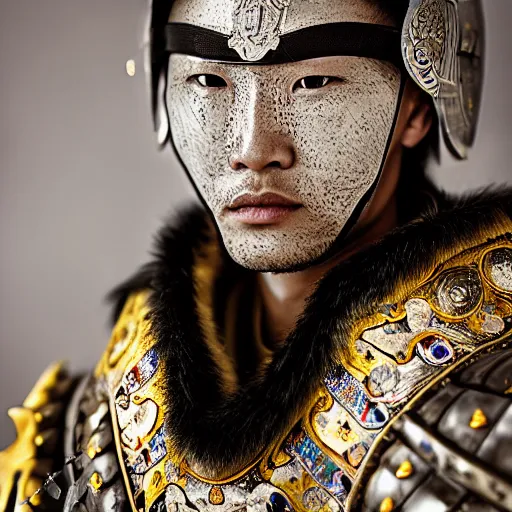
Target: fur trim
[221, 428]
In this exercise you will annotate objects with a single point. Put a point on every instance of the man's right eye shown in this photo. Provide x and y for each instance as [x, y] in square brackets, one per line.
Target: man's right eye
[209, 80]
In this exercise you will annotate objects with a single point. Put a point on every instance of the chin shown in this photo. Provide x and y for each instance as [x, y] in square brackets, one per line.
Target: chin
[268, 255]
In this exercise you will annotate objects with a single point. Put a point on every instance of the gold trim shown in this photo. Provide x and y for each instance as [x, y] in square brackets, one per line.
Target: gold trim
[120, 455]
[26, 457]
[223, 481]
[496, 288]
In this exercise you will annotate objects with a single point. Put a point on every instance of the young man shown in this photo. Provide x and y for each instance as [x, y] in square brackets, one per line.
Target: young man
[332, 333]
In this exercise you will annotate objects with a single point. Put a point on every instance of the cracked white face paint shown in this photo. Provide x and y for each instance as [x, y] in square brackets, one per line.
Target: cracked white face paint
[312, 132]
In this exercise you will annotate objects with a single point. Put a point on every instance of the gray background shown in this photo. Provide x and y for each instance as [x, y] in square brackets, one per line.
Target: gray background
[82, 187]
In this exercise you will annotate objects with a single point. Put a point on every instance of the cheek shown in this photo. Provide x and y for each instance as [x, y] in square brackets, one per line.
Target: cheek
[341, 142]
[200, 130]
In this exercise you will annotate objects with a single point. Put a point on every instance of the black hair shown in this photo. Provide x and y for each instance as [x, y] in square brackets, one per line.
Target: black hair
[395, 9]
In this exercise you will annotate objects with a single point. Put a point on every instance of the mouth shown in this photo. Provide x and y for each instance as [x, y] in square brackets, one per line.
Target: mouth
[262, 209]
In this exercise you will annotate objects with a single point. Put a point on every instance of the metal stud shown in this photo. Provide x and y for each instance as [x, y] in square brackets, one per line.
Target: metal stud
[478, 420]
[96, 481]
[387, 505]
[405, 470]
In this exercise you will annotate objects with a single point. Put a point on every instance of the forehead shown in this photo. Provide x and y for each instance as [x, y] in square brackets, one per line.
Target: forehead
[218, 14]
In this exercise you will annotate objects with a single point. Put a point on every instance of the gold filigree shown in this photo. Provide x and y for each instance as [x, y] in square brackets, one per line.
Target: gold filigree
[460, 280]
[26, 462]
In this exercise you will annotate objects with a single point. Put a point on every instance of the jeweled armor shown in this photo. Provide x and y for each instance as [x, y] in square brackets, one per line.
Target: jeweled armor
[416, 413]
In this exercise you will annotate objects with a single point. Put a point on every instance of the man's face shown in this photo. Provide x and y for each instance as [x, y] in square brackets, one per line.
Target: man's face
[282, 154]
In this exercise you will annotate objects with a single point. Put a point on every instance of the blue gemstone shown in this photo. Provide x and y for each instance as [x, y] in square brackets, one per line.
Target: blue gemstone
[439, 351]
[379, 416]
[426, 447]
[278, 503]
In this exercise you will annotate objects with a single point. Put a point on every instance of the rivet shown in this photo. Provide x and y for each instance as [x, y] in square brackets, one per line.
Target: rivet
[38, 417]
[387, 505]
[405, 470]
[96, 481]
[92, 451]
[39, 440]
[478, 420]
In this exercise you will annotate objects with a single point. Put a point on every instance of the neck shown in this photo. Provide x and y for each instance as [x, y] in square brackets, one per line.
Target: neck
[284, 295]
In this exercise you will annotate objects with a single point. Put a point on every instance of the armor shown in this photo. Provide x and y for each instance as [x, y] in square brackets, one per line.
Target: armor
[401, 401]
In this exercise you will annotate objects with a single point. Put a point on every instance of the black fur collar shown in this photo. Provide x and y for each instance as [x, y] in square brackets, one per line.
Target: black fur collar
[219, 428]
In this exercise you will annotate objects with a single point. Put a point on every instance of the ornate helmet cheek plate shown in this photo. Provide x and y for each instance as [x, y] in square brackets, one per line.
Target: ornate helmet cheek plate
[442, 49]
[442, 46]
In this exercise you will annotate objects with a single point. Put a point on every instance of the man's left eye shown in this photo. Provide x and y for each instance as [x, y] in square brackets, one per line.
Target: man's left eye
[312, 82]
[209, 81]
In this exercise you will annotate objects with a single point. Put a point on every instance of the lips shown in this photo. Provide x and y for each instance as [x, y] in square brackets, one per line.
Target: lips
[267, 208]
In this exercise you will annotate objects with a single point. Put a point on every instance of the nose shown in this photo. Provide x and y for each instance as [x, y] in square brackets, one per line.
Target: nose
[263, 141]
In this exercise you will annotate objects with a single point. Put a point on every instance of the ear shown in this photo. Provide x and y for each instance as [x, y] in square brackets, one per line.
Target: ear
[419, 120]
[162, 124]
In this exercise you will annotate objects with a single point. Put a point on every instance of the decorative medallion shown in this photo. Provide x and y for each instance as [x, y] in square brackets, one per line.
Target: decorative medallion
[315, 499]
[498, 268]
[458, 292]
[350, 393]
[426, 44]
[321, 467]
[257, 27]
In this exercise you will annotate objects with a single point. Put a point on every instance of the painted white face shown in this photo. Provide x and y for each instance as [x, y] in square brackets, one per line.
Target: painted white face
[282, 154]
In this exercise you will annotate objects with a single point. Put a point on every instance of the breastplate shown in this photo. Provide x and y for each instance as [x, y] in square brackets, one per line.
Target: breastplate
[416, 412]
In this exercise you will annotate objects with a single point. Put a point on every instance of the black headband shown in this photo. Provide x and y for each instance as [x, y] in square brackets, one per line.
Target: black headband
[331, 39]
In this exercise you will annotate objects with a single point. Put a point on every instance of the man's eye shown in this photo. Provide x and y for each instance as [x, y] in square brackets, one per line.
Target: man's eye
[312, 82]
[209, 80]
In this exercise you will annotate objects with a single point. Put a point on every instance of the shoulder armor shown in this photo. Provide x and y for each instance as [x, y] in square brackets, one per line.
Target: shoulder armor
[94, 477]
[27, 462]
[453, 450]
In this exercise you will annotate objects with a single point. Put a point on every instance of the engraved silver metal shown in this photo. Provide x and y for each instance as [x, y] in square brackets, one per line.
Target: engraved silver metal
[257, 26]
[498, 268]
[442, 46]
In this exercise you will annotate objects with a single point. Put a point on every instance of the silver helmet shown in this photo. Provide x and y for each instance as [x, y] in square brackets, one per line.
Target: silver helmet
[442, 47]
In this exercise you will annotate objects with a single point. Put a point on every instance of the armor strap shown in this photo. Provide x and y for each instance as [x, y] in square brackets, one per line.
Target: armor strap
[347, 38]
